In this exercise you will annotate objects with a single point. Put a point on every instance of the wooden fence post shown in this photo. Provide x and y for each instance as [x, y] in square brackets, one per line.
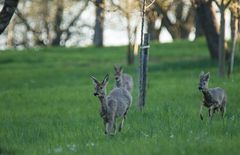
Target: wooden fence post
[143, 67]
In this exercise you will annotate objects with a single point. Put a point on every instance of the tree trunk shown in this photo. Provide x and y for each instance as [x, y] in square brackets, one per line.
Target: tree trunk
[182, 27]
[10, 35]
[7, 13]
[166, 22]
[154, 33]
[171, 29]
[151, 29]
[183, 30]
[221, 43]
[198, 27]
[207, 18]
[234, 35]
[130, 54]
[57, 23]
[99, 21]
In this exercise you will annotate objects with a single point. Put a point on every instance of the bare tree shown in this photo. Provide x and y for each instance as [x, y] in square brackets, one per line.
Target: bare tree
[57, 22]
[10, 33]
[206, 15]
[235, 15]
[46, 21]
[127, 7]
[198, 27]
[99, 21]
[182, 12]
[152, 29]
[59, 29]
[222, 55]
[7, 13]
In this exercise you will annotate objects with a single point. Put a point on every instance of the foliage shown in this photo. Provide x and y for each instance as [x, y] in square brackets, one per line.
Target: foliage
[235, 8]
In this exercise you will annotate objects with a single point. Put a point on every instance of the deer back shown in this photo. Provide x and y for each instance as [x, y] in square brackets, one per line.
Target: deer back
[118, 101]
[128, 82]
[218, 95]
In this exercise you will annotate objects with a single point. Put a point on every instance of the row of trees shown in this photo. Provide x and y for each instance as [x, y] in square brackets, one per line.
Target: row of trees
[55, 22]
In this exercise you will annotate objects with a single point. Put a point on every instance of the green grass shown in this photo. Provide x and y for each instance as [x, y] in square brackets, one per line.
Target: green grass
[47, 106]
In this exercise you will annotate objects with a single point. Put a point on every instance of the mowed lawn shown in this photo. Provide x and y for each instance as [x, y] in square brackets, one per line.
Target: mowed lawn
[47, 106]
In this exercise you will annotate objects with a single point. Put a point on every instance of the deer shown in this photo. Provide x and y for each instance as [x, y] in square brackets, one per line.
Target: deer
[122, 79]
[214, 99]
[114, 106]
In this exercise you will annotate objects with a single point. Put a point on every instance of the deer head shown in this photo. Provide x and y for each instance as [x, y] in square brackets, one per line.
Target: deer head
[100, 87]
[203, 83]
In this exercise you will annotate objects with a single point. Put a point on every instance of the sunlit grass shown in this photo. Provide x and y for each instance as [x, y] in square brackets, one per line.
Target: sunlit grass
[47, 106]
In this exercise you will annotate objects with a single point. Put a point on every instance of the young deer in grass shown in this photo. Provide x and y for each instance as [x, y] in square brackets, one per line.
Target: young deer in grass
[122, 79]
[214, 99]
[113, 106]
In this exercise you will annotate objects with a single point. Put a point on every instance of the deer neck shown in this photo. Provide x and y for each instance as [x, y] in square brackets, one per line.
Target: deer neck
[119, 83]
[103, 101]
[206, 93]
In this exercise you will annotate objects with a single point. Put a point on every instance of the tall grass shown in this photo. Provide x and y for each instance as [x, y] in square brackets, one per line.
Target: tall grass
[47, 106]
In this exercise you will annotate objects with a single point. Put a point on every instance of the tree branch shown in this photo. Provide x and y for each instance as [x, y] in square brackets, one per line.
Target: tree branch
[67, 29]
[216, 2]
[117, 6]
[76, 17]
[228, 3]
[150, 5]
[24, 20]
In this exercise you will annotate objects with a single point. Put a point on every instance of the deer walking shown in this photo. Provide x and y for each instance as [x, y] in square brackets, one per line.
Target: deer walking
[113, 106]
[214, 99]
[122, 79]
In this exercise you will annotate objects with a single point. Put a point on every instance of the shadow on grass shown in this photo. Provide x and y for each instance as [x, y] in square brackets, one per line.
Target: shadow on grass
[6, 61]
[29, 60]
[6, 151]
[186, 64]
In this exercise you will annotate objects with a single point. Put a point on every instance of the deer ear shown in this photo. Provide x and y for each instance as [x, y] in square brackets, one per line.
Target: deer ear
[115, 68]
[94, 80]
[207, 76]
[105, 80]
[201, 74]
[121, 69]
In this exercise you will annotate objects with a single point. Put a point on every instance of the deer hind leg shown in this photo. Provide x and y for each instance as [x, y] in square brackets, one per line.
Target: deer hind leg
[210, 112]
[200, 112]
[125, 114]
[223, 111]
[110, 126]
[123, 119]
[121, 124]
[105, 125]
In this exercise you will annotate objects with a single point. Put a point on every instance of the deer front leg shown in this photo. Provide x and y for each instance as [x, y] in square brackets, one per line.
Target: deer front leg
[223, 110]
[111, 127]
[105, 125]
[210, 112]
[122, 121]
[121, 124]
[200, 111]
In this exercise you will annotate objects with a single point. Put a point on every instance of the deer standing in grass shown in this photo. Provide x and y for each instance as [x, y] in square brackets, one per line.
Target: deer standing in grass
[122, 79]
[113, 106]
[214, 99]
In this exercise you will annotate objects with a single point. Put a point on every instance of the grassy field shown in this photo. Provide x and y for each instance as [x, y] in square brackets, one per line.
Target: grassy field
[47, 106]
